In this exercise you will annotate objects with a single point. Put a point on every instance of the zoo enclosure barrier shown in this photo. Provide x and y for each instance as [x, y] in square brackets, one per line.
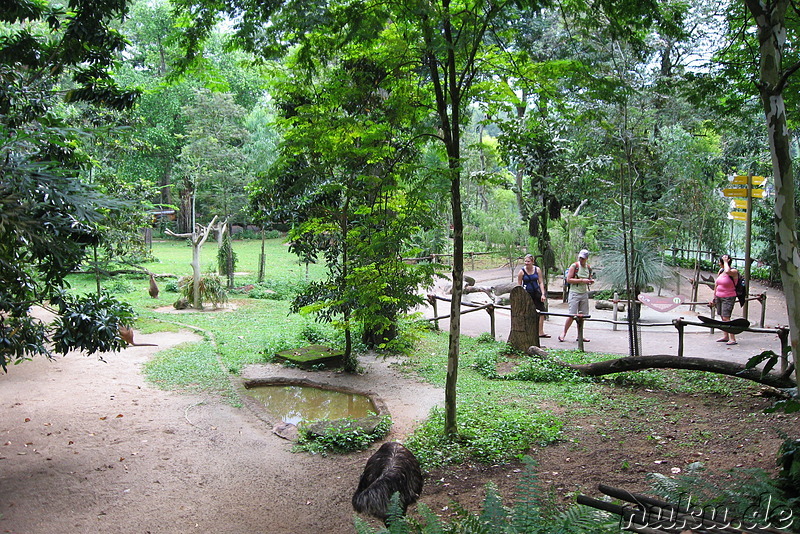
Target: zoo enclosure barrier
[762, 299]
[679, 324]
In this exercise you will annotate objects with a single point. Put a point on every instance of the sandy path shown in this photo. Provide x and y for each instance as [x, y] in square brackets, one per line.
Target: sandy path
[90, 447]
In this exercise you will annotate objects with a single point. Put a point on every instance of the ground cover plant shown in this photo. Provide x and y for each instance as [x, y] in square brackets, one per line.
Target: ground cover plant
[616, 430]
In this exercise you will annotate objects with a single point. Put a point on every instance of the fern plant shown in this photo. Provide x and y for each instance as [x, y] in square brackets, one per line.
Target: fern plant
[211, 289]
[747, 495]
[533, 512]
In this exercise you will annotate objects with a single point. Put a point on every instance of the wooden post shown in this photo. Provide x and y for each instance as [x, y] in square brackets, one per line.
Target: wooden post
[783, 335]
[579, 322]
[490, 311]
[524, 320]
[762, 298]
[680, 326]
[748, 232]
[616, 310]
[432, 300]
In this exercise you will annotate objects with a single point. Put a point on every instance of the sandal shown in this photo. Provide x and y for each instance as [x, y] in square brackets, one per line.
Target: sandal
[584, 340]
[732, 343]
[544, 335]
[561, 339]
[723, 340]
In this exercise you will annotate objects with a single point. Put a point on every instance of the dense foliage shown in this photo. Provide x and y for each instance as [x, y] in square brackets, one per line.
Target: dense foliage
[50, 218]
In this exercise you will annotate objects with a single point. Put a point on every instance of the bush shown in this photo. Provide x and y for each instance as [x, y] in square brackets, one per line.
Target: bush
[211, 289]
[119, 285]
[488, 433]
[275, 345]
[529, 369]
[277, 289]
[341, 439]
[313, 333]
[172, 286]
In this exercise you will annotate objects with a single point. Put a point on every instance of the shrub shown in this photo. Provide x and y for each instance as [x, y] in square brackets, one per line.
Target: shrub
[211, 289]
[529, 369]
[172, 286]
[119, 285]
[341, 439]
[277, 289]
[488, 433]
[313, 334]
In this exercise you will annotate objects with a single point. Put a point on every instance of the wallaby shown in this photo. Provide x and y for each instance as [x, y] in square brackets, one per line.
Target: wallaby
[153, 286]
[126, 334]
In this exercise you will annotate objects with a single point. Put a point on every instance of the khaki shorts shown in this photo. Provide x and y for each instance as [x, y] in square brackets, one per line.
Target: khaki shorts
[579, 303]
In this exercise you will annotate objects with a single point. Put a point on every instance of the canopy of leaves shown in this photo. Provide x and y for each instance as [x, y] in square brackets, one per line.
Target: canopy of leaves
[48, 216]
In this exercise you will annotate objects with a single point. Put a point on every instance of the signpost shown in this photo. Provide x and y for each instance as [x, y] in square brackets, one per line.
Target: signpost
[742, 199]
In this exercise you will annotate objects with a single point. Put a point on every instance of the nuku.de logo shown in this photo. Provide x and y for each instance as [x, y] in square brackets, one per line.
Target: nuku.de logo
[686, 515]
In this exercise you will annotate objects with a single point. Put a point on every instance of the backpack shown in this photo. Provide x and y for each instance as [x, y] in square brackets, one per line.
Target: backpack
[577, 266]
[741, 289]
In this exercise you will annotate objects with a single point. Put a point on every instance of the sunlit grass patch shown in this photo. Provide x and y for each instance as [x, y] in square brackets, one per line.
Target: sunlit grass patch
[191, 367]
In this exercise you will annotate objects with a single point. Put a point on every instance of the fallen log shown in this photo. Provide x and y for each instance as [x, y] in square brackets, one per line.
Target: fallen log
[665, 361]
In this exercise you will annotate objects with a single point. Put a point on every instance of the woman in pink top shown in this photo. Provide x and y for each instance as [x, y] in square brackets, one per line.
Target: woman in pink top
[725, 295]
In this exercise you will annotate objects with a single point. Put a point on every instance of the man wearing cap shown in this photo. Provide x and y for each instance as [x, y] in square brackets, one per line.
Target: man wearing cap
[579, 278]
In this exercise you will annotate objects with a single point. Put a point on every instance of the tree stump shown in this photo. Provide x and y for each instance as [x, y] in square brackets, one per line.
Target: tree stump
[524, 320]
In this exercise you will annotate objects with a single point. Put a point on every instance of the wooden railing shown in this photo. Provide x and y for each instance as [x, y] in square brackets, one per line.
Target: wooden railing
[580, 320]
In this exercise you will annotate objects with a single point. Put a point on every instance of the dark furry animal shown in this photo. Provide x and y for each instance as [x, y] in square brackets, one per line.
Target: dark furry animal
[153, 286]
[393, 468]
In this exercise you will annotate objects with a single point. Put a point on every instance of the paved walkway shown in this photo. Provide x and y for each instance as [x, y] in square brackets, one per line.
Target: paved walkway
[698, 341]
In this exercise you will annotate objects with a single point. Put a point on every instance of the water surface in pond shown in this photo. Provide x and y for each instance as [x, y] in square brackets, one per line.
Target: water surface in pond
[295, 404]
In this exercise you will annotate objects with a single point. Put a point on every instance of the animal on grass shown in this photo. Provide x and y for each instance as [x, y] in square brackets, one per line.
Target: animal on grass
[126, 334]
[392, 469]
[153, 286]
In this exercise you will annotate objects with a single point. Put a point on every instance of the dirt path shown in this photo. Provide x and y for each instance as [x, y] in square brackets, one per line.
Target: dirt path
[90, 447]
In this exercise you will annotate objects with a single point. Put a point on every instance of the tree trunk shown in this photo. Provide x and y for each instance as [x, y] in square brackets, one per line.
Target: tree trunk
[770, 18]
[197, 240]
[197, 302]
[524, 321]
[185, 212]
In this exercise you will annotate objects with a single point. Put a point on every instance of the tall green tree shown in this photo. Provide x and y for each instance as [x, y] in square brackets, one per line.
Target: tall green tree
[340, 181]
[778, 61]
[212, 162]
[49, 217]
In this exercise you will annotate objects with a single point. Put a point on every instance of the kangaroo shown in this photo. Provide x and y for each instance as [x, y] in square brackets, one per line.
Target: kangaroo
[153, 286]
[126, 334]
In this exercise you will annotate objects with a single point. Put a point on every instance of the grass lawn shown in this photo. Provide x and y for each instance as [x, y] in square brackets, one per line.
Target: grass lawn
[498, 418]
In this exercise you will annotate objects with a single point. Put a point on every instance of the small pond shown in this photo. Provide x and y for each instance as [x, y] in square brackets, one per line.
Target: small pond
[295, 404]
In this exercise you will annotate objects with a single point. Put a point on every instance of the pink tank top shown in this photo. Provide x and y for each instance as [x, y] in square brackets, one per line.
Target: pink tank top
[725, 286]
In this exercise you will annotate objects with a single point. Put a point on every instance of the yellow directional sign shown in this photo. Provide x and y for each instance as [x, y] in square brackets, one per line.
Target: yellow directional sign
[737, 215]
[739, 203]
[742, 192]
[742, 180]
